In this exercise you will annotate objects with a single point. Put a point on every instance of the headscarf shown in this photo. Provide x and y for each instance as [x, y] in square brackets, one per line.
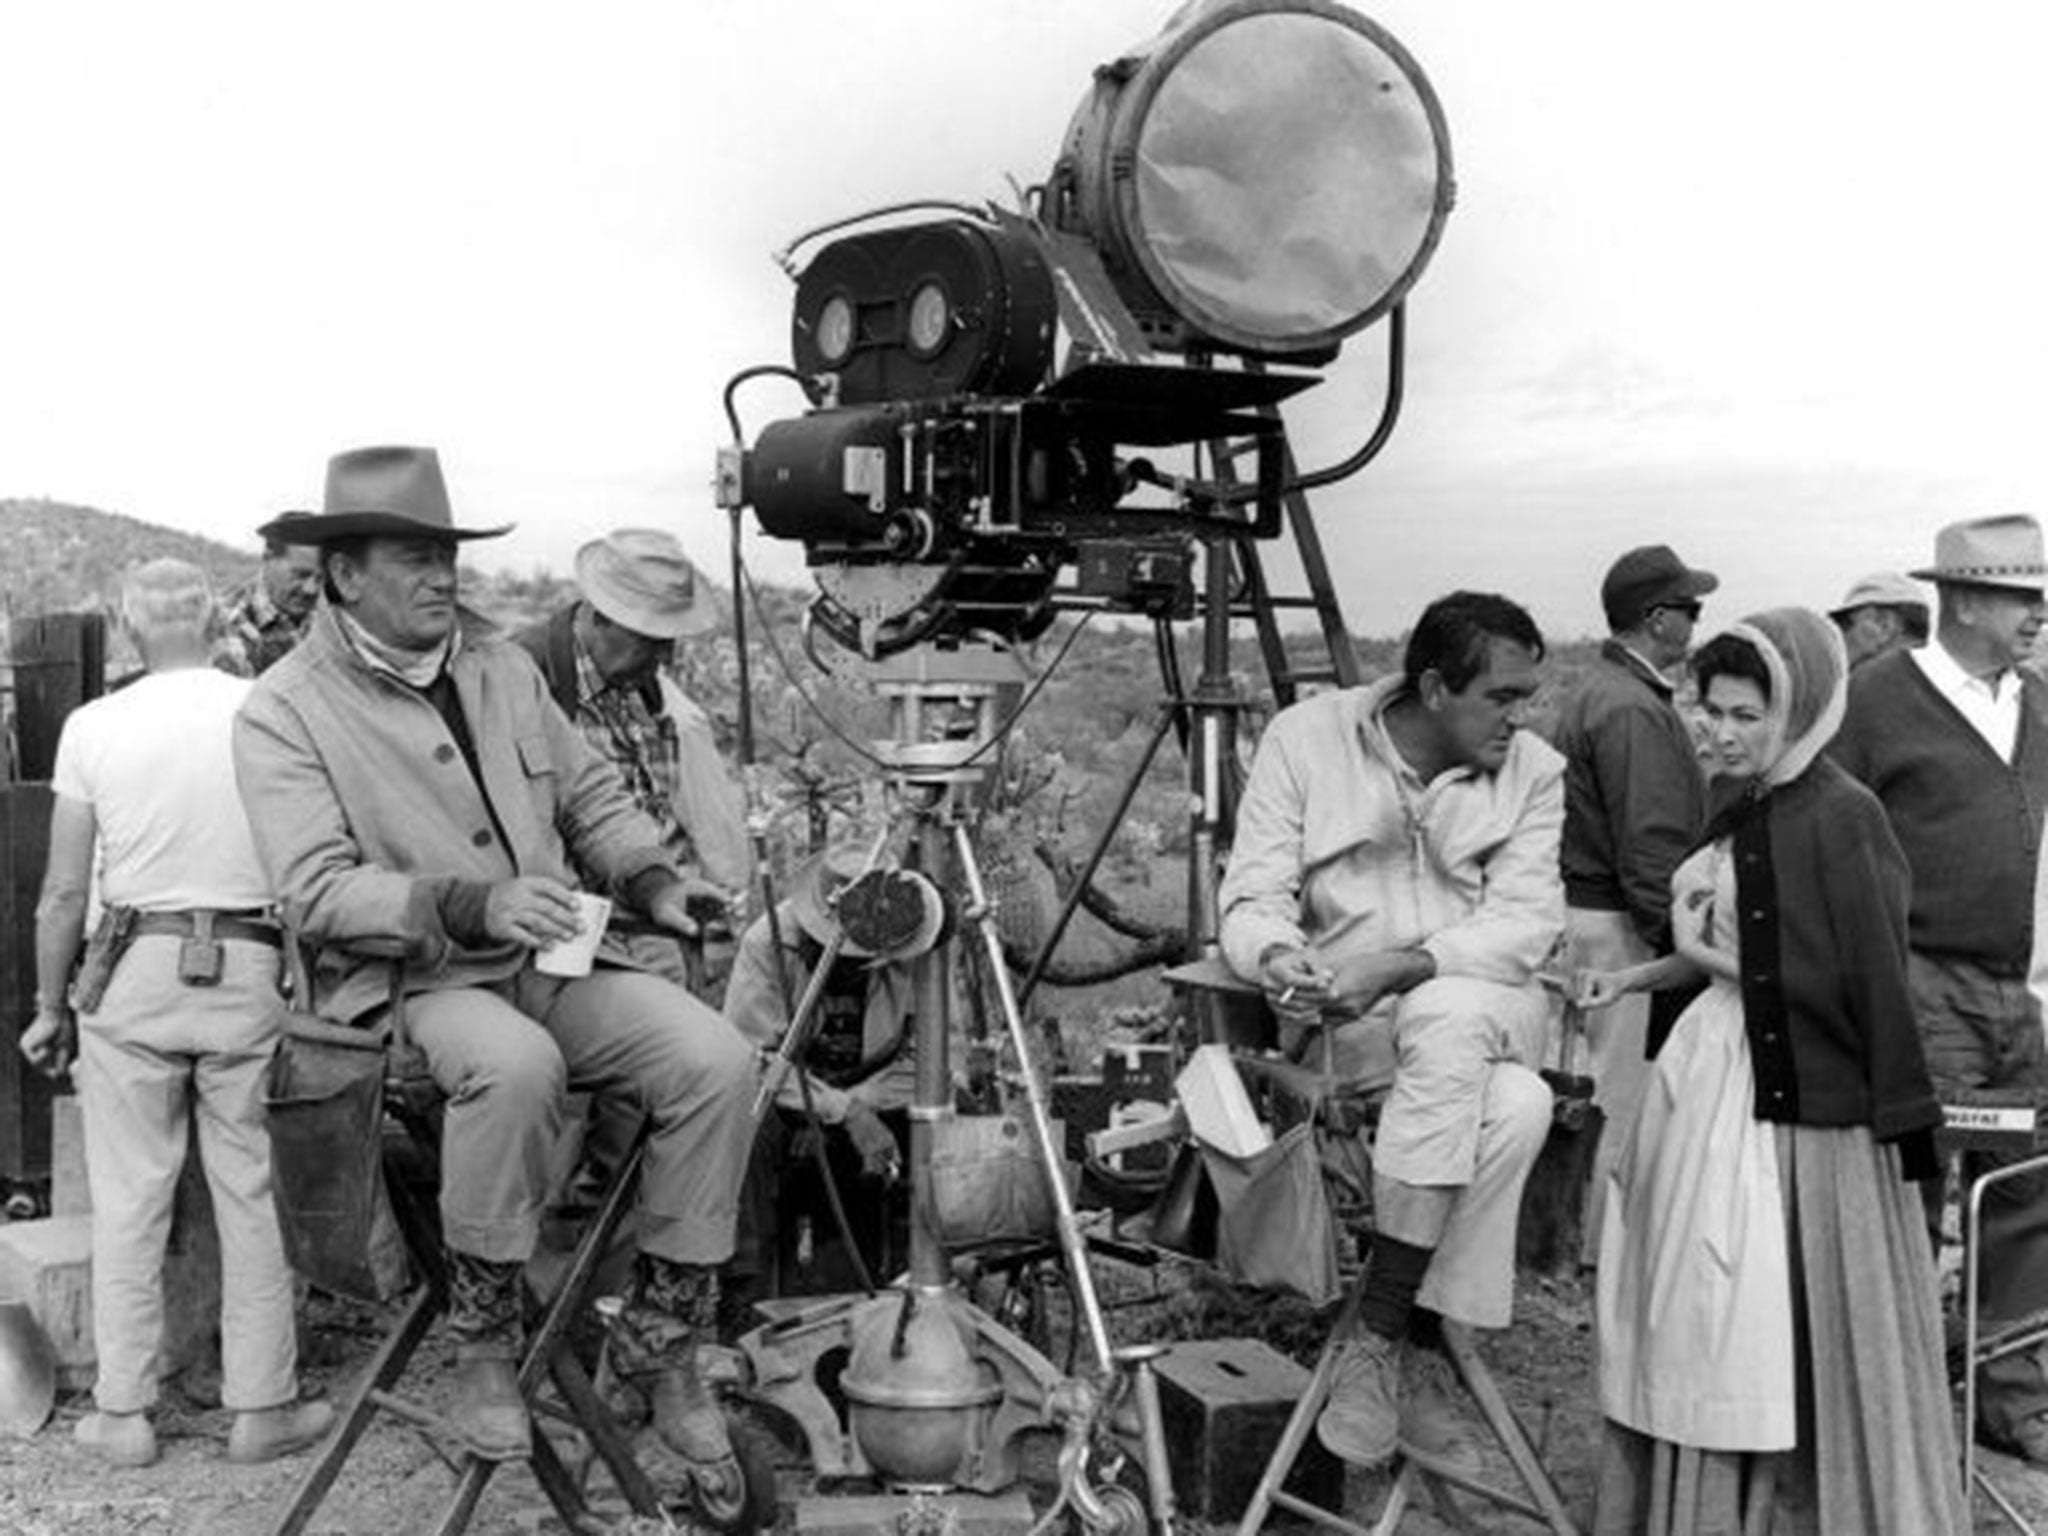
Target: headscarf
[1809, 671]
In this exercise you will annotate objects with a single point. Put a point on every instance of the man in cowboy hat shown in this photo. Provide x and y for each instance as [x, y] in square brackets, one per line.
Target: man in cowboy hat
[859, 1066]
[1880, 613]
[408, 778]
[1635, 803]
[1953, 738]
[606, 660]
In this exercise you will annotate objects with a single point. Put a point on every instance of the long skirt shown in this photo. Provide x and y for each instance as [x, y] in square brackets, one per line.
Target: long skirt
[1874, 1450]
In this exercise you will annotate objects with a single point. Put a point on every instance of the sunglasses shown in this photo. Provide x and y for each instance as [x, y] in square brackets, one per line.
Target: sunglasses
[1691, 608]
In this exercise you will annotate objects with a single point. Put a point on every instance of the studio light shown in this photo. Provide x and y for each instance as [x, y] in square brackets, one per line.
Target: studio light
[1262, 177]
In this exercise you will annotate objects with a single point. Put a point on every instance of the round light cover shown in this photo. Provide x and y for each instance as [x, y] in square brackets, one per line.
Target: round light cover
[931, 317]
[1277, 174]
[835, 329]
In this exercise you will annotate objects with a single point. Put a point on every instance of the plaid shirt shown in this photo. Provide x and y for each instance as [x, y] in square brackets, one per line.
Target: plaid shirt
[256, 632]
[641, 743]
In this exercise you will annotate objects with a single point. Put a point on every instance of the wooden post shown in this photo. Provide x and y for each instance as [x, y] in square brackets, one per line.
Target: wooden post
[24, 1092]
[60, 661]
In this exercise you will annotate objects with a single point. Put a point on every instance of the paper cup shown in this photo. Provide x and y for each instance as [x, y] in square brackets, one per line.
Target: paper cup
[572, 957]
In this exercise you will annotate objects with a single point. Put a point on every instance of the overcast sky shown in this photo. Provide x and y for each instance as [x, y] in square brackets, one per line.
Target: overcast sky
[1763, 281]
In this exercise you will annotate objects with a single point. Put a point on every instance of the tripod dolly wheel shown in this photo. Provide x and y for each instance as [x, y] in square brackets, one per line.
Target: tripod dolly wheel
[758, 1504]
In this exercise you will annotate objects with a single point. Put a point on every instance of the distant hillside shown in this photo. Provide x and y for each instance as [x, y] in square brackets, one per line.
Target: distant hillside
[57, 558]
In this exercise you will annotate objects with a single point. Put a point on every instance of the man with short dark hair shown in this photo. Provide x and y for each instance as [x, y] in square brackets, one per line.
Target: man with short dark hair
[1880, 613]
[1953, 739]
[408, 778]
[1635, 803]
[265, 618]
[1394, 873]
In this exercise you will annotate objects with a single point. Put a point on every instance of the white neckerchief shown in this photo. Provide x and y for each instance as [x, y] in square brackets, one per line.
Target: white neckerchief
[1991, 705]
[416, 669]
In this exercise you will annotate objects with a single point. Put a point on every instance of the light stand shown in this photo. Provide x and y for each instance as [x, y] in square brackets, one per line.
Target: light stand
[938, 1396]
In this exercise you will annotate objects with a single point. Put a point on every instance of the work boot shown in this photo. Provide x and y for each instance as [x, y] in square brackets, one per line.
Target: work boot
[657, 1338]
[484, 1320]
[264, 1434]
[1433, 1430]
[1361, 1420]
[123, 1439]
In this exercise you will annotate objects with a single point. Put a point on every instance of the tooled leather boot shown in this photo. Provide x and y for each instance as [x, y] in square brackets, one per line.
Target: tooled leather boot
[673, 1308]
[484, 1318]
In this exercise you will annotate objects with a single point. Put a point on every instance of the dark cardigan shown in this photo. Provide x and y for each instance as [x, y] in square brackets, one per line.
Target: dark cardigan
[1822, 892]
[1969, 822]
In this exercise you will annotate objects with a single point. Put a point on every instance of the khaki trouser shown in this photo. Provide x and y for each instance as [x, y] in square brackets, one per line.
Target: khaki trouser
[1467, 1114]
[155, 1057]
[1616, 1037]
[507, 1057]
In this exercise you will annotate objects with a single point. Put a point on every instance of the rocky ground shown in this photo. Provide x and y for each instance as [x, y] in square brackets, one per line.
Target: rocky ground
[399, 1480]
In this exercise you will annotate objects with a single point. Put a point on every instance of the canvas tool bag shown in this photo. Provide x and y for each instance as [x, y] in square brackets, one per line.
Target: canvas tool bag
[987, 1184]
[324, 1094]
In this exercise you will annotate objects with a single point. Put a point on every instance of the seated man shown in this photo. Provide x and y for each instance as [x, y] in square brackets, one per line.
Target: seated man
[1395, 870]
[860, 1060]
[607, 658]
[407, 777]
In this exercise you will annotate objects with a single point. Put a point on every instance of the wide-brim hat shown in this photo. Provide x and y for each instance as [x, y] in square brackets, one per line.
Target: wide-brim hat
[818, 882]
[641, 580]
[1990, 552]
[901, 904]
[394, 492]
[1880, 589]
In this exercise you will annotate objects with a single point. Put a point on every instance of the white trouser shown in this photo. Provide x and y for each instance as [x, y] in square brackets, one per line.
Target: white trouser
[1615, 1037]
[156, 1056]
[1466, 1115]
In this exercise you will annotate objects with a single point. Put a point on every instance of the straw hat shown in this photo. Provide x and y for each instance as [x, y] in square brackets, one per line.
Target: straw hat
[897, 913]
[640, 579]
[1880, 589]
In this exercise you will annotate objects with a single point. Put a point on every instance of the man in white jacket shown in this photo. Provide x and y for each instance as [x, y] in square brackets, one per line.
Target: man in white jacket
[1394, 877]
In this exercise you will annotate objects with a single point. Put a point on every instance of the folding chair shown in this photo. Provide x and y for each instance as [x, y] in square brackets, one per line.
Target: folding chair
[412, 1099]
[1227, 1007]
[2007, 1123]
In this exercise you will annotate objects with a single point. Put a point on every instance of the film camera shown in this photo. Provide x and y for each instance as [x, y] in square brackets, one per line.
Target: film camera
[1257, 183]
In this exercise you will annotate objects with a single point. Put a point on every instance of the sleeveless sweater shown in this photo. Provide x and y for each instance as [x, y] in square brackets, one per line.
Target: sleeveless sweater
[1970, 823]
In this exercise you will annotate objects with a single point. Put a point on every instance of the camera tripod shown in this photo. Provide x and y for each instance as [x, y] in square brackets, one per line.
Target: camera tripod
[915, 1386]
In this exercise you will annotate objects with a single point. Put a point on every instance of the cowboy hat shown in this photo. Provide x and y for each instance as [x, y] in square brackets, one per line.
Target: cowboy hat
[900, 912]
[640, 579]
[396, 492]
[1880, 589]
[1989, 552]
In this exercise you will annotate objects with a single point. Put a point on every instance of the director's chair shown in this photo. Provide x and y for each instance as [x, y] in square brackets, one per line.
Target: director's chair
[1229, 1011]
[412, 1099]
[2008, 1123]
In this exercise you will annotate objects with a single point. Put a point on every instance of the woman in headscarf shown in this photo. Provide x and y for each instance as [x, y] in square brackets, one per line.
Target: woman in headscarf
[1770, 1335]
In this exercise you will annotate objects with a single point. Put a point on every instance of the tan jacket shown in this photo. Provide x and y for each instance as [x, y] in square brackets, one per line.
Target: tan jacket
[1340, 847]
[364, 809]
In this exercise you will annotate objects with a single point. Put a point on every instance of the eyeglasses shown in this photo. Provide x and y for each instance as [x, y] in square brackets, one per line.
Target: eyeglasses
[1691, 608]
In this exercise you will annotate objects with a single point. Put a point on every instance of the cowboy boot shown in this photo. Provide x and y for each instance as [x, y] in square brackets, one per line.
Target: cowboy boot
[484, 1320]
[672, 1310]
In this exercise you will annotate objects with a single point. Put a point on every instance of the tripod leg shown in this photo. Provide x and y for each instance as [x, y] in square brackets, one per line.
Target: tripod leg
[1051, 1156]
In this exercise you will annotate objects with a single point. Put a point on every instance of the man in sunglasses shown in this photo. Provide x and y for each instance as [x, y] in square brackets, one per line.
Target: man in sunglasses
[1635, 803]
